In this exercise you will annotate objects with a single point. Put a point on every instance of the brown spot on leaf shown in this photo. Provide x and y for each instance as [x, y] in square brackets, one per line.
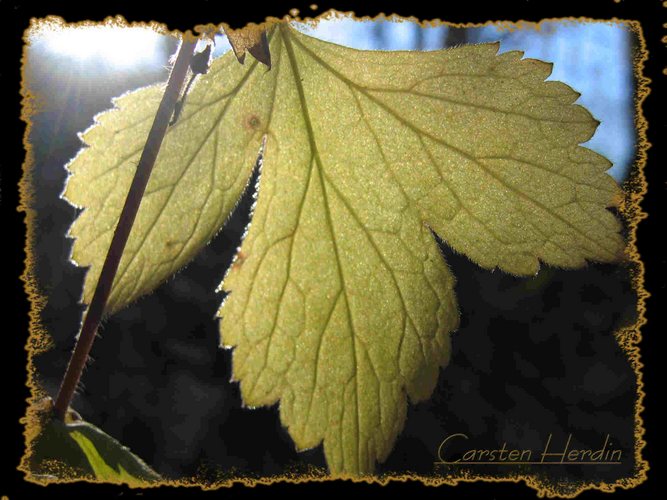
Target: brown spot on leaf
[251, 122]
[239, 260]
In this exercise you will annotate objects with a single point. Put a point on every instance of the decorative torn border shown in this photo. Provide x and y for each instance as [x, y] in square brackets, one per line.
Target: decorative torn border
[628, 337]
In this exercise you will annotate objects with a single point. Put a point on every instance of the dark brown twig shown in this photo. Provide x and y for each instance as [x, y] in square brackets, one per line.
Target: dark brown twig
[135, 194]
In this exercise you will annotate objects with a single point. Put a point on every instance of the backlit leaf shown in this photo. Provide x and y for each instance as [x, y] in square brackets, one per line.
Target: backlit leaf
[341, 307]
[81, 450]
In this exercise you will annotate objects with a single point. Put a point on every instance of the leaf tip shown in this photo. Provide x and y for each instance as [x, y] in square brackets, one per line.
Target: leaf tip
[251, 39]
[549, 70]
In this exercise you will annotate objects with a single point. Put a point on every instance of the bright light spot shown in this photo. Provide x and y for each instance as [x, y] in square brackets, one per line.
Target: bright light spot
[116, 46]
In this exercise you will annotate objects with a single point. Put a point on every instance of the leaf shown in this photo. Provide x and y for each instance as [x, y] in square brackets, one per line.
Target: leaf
[191, 191]
[79, 450]
[342, 304]
[253, 39]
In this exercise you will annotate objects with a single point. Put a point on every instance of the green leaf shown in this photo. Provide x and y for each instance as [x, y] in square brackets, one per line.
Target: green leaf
[340, 303]
[81, 450]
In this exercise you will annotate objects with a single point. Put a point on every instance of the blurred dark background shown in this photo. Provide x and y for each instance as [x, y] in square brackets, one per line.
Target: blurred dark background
[532, 357]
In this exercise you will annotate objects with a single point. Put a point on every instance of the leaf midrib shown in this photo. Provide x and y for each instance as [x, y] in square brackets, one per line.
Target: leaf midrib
[318, 162]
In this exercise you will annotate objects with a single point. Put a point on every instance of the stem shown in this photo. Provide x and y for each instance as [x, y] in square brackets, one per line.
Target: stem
[97, 305]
